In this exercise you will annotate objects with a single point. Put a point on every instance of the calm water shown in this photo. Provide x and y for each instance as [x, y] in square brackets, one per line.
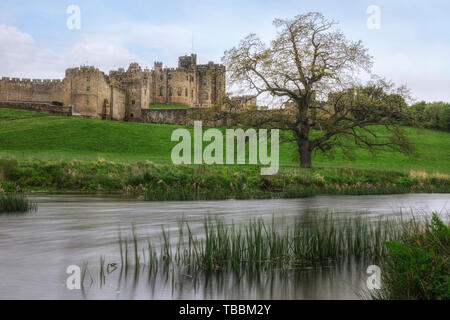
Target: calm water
[36, 249]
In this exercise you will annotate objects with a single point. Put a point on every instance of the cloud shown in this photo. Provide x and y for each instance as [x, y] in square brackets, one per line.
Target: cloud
[421, 71]
[107, 49]
[156, 42]
[151, 36]
[20, 56]
[103, 55]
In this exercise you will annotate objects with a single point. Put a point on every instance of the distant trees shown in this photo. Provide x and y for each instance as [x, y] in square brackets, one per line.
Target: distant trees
[435, 115]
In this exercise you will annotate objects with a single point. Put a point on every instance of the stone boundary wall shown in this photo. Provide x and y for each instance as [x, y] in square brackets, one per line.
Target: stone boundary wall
[37, 106]
[160, 116]
[165, 116]
[177, 116]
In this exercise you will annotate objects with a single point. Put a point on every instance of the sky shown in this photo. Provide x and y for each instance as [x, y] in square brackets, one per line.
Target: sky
[409, 42]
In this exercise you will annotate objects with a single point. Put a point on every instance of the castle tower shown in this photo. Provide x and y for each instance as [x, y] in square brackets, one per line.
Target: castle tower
[90, 93]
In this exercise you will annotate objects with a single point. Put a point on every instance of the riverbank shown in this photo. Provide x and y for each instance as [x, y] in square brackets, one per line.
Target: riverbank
[168, 182]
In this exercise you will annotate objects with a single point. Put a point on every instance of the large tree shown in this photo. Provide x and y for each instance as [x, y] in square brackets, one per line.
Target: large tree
[312, 68]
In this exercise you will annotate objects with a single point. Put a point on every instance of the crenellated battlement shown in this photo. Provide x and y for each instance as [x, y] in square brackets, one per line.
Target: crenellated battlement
[31, 81]
[83, 70]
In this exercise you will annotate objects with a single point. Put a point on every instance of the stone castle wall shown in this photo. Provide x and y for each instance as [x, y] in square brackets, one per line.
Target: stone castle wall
[36, 90]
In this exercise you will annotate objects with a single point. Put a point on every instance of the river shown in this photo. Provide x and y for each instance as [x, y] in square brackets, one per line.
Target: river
[37, 248]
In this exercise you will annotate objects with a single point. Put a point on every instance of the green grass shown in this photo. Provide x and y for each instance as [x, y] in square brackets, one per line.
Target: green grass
[162, 182]
[167, 106]
[27, 134]
[51, 153]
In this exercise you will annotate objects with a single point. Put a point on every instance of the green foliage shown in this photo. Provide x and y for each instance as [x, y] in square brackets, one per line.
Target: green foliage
[434, 115]
[183, 182]
[9, 169]
[444, 117]
[418, 267]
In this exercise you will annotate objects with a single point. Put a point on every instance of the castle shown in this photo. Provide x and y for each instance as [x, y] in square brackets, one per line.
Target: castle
[121, 95]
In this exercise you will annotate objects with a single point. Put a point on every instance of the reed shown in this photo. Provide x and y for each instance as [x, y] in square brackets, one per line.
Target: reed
[16, 203]
[102, 271]
[260, 246]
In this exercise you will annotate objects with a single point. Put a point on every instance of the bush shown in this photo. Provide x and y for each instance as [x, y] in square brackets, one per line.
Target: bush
[9, 169]
[417, 268]
[434, 115]
[444, 117]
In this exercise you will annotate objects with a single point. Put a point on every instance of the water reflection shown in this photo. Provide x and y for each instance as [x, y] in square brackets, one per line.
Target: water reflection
[341, 281]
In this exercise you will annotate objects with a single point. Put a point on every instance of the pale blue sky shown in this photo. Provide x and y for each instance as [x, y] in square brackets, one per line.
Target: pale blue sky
[412, 47]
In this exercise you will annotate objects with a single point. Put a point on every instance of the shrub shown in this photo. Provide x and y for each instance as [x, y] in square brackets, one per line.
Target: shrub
[444, 117]
[9, 169]
[417, 268]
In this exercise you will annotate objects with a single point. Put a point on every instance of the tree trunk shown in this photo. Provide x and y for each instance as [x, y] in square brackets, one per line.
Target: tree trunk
[301, 133]
[304, 150]
[305, 154]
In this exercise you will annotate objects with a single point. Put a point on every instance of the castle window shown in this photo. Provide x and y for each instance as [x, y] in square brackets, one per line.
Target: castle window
[170, 91]
[186, 92]
[206, 96]
[133, 102]
[170, 76]
[160, 91]
[162, 77]
[179, 92]
[204, 82]
[192, 93]
[88, 88]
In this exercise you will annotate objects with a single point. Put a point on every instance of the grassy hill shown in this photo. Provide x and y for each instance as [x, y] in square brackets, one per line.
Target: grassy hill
[27, 134]
[52, 153]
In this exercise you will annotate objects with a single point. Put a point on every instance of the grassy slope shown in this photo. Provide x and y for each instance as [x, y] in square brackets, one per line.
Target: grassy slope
[31, 134]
